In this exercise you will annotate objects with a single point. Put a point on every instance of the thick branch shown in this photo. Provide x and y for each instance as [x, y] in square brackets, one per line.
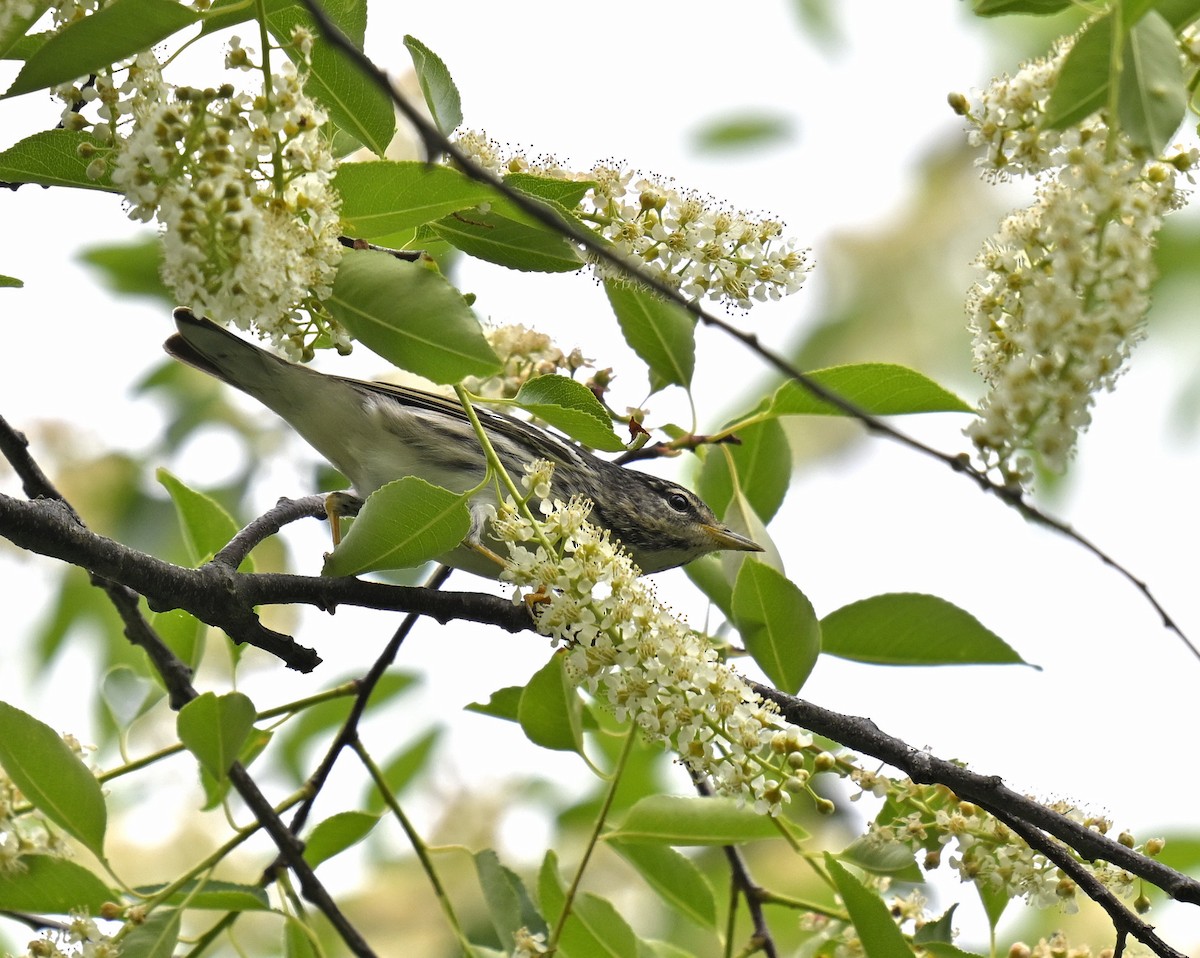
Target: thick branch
[987, 791]
[224, 598]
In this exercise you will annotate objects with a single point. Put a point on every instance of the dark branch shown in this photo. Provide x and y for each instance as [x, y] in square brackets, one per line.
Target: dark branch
[986, 791]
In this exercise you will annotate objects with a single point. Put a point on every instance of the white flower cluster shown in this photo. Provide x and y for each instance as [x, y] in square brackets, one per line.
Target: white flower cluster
[682, 238]
[1066, 281]
[633, 655]
[524, 353]
[80, 938]
[986, 852]
[242, 187]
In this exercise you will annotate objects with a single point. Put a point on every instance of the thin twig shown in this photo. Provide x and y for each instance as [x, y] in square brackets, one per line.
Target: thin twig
[437, 143]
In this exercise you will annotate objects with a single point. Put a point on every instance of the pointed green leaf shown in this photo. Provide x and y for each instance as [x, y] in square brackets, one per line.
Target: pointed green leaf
[508, 902]
[131, 268]
[674, 820]
[565, 194]
[127, 695]
[593, 929]
[506, 242]
[550, 709]
[183, 634]
[663, 334]
[10, 282]
[52, 777]
[411, 316]
[18, 25]
[52, 886]
[994, 900]
[675, 878]
[996, 8]
[354, 101]
[51, 158]
[405, 523]
[337, 833]
[404, 767]
[299, 941]
[382, 198]
[941, 930]
[1153, 94]
[743, 131]
[118, 30]
[214, 729]
[570, 406]
[883, 858]
[437, 86]
[881, 389]
[877, 931]
[156, 937]
[206, 526]
[741, 518]
[907, 628]
[502, 704]
[1082, 83]
[214, 895]
[762, 462]
[778, 625]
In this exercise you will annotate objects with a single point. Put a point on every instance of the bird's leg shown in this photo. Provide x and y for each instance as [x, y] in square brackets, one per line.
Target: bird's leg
[337, 505]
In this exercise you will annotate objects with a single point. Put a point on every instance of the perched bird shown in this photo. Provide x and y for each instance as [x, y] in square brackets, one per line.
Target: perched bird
[375, 433]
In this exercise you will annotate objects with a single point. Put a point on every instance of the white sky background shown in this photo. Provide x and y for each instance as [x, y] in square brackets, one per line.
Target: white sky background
[1108, 720]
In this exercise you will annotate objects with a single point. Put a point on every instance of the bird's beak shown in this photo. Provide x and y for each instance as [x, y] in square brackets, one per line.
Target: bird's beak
[726, 538]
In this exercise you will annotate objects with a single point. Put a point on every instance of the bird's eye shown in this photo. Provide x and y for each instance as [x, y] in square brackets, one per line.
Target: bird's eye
[678, 501]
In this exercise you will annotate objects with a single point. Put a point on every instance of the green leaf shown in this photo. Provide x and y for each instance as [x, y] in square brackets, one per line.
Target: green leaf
[213, 895]
[594, 927]
[404, 767]
[10, 282]
[883, 858]
[206, 526]
[18, 25]
[908, 628]
[51, 158]
[994, 900]
[52, 777]
[778, 625]
[216, 789]
[127, 695]
[570, 406]
[506, 242]
[214, 729]
[878, 933]
[437, 86]
[118, 30]
[156, 937]
[183, 634]
[550, 710]
[997, 8]
[675, 878]
[942, 949]
[663, 334]
[708, 575]
[1082, 83]
[508, 903]
[1153, 93]
[939, 931]
[411, 316]
[404, 523]
[299, 941]
[674, 820]
[502, 704]
[52, 886]
[744, 131]
[881, 389]
[762, 462]
[355, 102]
[565, 194]
[130, 268]
[382, 198]
[337, 833]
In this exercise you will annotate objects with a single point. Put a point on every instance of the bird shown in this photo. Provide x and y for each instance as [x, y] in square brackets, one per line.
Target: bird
[374, 433]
